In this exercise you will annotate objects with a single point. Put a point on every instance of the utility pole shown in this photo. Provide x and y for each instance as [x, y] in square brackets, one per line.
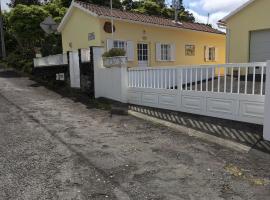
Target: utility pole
[208, 18]
[3, 48]
[111, 7]
[176, 4]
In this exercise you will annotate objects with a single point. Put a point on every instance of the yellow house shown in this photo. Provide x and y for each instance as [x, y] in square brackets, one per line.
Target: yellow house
[248, 32]
[147, 40]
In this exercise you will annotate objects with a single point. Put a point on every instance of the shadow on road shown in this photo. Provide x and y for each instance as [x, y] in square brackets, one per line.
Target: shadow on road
[244, 133]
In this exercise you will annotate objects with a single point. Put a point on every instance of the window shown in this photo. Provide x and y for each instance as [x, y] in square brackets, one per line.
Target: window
[212, 54]
[142, 52]
[190, 50]
[165, 52]
[119, 44]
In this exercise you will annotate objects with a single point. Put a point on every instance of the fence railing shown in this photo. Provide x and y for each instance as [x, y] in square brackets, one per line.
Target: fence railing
[53, 60]
[248, 78]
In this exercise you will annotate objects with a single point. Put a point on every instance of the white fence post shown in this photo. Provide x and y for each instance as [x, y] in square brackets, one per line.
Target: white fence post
[97, 61]
[266, 128]
[124, 82]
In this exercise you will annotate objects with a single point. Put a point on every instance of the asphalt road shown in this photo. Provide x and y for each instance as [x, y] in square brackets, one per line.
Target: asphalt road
[52, 147]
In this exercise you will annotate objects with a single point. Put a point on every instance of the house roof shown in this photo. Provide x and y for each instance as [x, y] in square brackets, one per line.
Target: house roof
[237, 10]
[105, 12]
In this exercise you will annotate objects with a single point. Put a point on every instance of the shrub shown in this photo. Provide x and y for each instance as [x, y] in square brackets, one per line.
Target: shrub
[114, 52]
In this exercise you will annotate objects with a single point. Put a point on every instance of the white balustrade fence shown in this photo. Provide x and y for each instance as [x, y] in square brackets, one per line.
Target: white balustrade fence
[53, 60]
[229, 78]
[230, 91]
[226, 91]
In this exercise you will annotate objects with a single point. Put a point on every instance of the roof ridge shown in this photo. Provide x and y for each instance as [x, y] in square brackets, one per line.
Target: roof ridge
[130, 11]
[154, 17]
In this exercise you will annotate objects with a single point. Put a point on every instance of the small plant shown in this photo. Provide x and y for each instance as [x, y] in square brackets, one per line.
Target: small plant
[114, 52]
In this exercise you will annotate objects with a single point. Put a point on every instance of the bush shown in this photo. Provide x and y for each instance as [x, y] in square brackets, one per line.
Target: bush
[114, 52]
[20, 61]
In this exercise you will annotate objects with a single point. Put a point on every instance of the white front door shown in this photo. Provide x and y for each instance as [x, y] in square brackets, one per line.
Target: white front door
[142, 49]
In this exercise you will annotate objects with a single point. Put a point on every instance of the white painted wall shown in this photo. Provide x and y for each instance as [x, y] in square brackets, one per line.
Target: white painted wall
[53, 60]
[111, 82]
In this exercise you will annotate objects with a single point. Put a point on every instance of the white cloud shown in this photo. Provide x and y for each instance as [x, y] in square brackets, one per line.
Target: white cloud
[213, 19]
[216, 8]
[4, 4]
[216, 5]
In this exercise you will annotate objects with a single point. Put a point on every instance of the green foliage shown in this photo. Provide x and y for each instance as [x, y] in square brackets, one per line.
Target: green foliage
[56, 10]
[149, 7]
[114, 52]
[24, 36]
[14, 3]
[24, 24]
[157, 8]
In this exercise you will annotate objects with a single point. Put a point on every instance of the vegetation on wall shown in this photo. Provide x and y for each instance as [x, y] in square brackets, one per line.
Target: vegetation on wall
[114, 52]
[24, 36]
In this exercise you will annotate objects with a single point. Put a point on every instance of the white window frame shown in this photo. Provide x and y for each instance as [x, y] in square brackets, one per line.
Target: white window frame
[120, 44]
[210, 53]
[165, 52]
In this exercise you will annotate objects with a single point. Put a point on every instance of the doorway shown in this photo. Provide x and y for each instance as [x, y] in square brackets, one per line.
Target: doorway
[142, 51]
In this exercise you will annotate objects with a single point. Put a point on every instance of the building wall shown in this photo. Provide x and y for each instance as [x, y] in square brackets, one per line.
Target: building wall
[80, 24]
[254, 17]
[76, 31]
[152, 35]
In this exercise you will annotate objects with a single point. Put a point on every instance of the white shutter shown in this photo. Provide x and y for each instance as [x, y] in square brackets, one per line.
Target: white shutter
[158, 51]
[109, 44]
[130, 51]
[206, 53]
[216, 54]
[172, 52]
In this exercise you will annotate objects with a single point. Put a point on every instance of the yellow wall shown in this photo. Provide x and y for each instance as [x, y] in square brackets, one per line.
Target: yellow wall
[254, 17]
[81, 23]
[76, 31]
[135, 33]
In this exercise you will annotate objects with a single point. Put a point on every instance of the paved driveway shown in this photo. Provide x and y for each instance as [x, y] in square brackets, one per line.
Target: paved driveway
[52, 147]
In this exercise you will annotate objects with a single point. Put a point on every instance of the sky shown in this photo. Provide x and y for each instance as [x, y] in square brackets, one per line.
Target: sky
[200, 8]
[4, 4]
[216, 8]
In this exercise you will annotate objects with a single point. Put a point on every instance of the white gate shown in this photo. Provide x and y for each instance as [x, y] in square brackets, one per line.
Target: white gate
[74, 69]
[214, 90]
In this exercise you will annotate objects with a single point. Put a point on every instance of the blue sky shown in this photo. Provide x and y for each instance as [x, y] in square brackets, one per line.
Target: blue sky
[200, 8]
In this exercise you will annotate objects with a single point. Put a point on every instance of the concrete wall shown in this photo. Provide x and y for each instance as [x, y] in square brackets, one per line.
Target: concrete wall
[254, 17]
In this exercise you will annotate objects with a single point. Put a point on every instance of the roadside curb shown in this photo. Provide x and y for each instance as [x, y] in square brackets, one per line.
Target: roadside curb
[193, 133]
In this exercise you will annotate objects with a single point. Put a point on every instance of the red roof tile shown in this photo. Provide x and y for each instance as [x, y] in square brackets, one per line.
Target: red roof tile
[138, 17]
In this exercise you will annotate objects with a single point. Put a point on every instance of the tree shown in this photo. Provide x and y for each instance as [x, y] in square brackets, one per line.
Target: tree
[14, 3]
[24, 24]
[149, 7]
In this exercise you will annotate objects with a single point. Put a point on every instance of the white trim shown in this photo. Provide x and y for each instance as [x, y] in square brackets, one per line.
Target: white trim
[237, 10]
[76, 5]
